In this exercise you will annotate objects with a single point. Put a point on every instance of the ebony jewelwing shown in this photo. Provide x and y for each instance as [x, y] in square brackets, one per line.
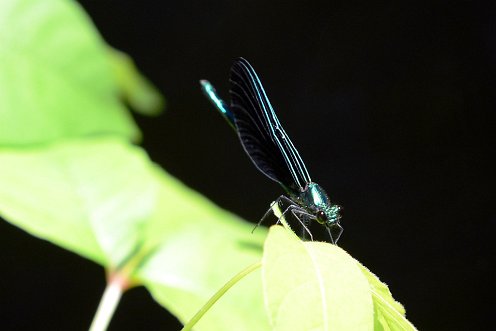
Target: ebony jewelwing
[263, 138]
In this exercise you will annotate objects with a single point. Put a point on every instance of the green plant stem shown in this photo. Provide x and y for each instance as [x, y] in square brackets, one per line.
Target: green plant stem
[188, 326]
[110, 299]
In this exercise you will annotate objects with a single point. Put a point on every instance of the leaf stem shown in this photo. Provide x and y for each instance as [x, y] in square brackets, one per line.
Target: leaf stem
[110, 299]
[188, 326]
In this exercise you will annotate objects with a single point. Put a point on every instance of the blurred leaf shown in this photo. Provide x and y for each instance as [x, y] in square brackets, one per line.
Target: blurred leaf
[56, 79]
[192, 248]
[389, 314]
[103, 199]
[202, 249]
[313, 286]
[141, 95]
[89, 196]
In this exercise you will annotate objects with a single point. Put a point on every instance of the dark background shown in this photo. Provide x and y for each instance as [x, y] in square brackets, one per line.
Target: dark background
[391, 106]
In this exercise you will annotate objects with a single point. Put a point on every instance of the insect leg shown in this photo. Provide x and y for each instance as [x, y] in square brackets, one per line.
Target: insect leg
[302, 216]
[282, 202]
[305, 218]
[335, 232]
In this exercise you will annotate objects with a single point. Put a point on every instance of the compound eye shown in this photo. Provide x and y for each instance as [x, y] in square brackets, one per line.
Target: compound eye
[321, 217]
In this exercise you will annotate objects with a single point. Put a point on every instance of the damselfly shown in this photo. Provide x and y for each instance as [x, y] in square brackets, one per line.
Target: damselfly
[272, 152]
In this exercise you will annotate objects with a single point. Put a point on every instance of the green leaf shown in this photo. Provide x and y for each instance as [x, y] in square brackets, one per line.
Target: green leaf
[389, 314]
[198, 248]
[313, 286]
[89, 196]
[141, 95]
[103, 199]
[56, 79]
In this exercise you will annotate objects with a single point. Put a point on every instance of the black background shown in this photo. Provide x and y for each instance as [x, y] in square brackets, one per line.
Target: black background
[391, 106]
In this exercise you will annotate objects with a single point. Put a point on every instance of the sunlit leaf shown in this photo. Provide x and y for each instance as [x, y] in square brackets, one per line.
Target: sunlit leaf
[313, 286]
[198, 248]
[89, 196]
[388, 313]
[56, 79]
[141, 95]
[103, 199]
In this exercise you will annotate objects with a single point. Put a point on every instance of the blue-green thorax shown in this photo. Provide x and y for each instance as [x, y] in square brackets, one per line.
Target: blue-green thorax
[317, 202]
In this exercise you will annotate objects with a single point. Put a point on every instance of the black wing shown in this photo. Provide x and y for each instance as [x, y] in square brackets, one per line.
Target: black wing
[260, 131]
